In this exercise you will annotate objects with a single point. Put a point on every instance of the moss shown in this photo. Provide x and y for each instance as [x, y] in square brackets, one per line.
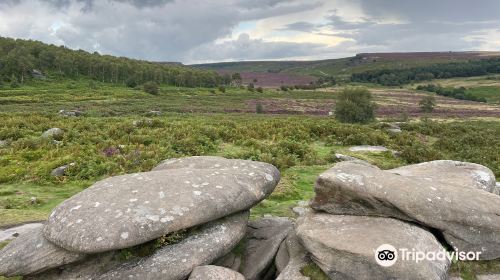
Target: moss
[148, 248]
[469, 270]
[313, 271]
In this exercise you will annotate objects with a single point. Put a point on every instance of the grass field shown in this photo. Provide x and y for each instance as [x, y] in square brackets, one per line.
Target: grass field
[482, 86]
[117, 135]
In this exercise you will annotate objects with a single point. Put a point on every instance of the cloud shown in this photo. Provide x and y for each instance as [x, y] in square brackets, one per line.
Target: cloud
[208, 30]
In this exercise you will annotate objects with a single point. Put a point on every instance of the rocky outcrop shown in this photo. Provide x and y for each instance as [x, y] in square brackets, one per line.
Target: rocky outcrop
[468, 218]
[211, 272]
[344, 247]
[31, 253]
[211, 242]
[263, 240]
[104, 231]
[128, 210]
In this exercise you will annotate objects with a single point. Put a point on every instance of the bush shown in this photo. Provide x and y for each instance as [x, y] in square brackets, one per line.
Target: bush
[259, 109]
[427, 104]
[14, 83]
[354, 105]
[222, 89]
[260, 90]
[151, 88]
[131, 83]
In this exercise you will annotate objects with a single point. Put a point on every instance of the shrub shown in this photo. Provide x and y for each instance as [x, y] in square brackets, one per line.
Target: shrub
[222, 89]
[14, 83]
[131, 83]
[259, 109]
[151, 88]
[427, 104]
[354, 105]
[260, 90]
[92, 85]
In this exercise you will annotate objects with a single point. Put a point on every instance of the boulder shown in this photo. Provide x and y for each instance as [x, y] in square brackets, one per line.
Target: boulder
[297, 259]
[345, 247]
[70, 113]
[13, 232]
[341, 157]
[61, 170]
[263, 240]
[128, 210]
[462, 174]
[32, 253]
[55, 133]
[87, 269]
[282, 258]
[214, 162]
[488, 277]
[468, 218]
[175, 262]
[231, 261]
[212, 272]
[394, 130]
[367, 148]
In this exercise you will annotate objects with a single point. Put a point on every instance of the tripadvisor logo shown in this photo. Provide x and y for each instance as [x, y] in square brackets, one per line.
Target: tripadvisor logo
[387, 255]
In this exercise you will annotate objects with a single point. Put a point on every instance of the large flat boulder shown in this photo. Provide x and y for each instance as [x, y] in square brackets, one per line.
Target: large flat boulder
[462, 174]
[128, 210]
[175, 262]
[31, 253]
[214, 162]
[263, 240]
[212, 272]
[344, 247]
[468, 218]
[297, 259]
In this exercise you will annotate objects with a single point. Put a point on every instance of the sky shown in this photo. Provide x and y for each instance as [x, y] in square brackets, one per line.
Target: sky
[201, 31]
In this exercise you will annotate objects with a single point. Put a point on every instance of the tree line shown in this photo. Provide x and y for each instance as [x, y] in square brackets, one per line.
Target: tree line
[18, 59]
[396, 77]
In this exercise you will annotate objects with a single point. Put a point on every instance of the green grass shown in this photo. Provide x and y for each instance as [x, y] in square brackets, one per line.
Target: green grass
[296, 184]
[491, 94]
[469, 270]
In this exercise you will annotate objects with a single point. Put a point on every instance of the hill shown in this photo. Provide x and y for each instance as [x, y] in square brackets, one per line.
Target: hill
[346, 66]
[24, 59]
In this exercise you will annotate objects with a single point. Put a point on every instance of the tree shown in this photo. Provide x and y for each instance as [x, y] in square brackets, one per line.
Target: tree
[354, 105]
[427, 104]
[151, 88]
